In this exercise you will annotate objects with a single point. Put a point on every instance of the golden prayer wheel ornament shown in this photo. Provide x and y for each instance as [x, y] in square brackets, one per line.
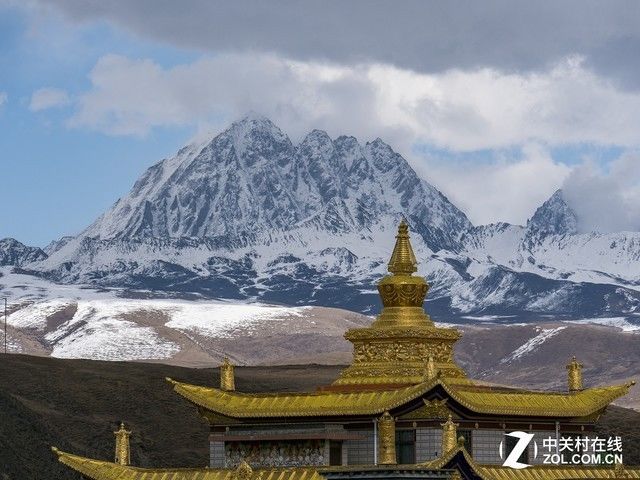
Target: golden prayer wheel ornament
[386, 440]
[575, 375]
[123, 449]
[449, 435]
[227, 376]
[432, 372]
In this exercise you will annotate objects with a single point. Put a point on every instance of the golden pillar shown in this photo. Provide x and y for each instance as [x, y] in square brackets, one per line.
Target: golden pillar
[227, 376]
[449, 435]
[123, 450]
[386, 440]
[574, 375]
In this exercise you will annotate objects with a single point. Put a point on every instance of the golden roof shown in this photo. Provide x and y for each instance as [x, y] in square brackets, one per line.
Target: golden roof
[245, 405]
[534, 472]
[552, 472]
[101, 470]
[477, 398]
[492, 400]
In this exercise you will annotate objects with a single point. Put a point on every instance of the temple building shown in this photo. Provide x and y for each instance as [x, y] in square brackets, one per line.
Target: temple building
[403, 409]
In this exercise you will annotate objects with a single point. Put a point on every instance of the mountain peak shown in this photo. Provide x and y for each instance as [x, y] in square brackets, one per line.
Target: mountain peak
[254, 125]
[13, 252]
[553, 217]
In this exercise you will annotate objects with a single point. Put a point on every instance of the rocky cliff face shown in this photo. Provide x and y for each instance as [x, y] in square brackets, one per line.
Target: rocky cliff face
[251, 215]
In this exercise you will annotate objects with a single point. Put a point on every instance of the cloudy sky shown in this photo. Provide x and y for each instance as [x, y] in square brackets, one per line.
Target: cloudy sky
[496, 103]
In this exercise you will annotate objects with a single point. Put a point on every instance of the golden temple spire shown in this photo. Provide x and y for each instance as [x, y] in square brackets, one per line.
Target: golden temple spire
[574, 375]
[449, 435]
[227, 376]
[403, 260]
[403, 337]
[386, 440]
[123, 449]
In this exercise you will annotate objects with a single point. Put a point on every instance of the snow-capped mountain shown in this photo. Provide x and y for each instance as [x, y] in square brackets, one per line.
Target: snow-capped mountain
[12, 252]
[251, 215]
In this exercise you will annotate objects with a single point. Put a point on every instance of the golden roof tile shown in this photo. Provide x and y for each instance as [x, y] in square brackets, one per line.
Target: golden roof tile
[477, 398]
[244, 405]
[101, 470]
[534, 472]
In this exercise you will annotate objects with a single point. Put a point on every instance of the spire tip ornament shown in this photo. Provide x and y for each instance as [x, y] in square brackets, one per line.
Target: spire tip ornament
[403, 260]
[574, 375]
[449, 435]
[123, 448]
[227, 376]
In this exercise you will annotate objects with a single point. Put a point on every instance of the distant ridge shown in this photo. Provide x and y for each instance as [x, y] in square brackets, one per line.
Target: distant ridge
[250, 215]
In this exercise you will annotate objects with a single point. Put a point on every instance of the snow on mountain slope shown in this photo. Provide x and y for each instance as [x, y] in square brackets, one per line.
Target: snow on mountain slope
[70, 321]
[250, 181]
[550, 246]
[12, 252]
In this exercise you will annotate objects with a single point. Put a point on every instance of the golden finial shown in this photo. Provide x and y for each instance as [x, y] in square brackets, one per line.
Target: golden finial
[123, 450]
[449, 435]
[243, 471]
[432, 372]
[386, 440]
[575, 375]
[403, 261]
[227, 376]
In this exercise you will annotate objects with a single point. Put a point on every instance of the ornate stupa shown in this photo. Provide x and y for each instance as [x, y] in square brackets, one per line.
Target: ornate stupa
[402, 409]
[397, 348]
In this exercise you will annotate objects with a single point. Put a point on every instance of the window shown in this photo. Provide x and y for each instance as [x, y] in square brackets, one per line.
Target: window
[335, 453]
[406, 446]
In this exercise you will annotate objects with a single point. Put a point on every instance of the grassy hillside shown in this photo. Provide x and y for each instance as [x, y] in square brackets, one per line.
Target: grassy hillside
[77, 404]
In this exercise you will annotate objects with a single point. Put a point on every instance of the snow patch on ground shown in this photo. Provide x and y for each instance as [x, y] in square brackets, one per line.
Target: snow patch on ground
[532, 344]
[100, 328]
[35, 315]
[616, 322]
[486, 318]
[13, 346]
[115, 340]
[220, 319]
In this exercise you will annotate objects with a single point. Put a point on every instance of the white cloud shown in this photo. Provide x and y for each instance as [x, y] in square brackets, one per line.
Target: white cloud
[460, 110]
[606, 200]
[507, 189]
[49, 97]
[3, 98]
[456, 110]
